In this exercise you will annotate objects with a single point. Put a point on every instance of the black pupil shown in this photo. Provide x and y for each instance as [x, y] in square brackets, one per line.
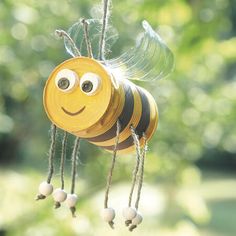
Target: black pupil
[87, 86]
[63, 83]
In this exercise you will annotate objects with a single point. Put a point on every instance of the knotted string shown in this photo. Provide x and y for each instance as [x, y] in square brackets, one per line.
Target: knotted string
[63, 157]
[52, 150]
[53, 133]
[74, 160]
[110, 173]
[136, 168]
[140, 180]
[141, 171]
[101, 53]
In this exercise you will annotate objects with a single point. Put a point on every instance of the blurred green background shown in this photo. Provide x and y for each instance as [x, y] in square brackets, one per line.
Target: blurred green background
[190, 176]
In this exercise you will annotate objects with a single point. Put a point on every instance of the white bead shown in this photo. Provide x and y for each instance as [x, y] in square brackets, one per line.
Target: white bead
[59, 195]
[129, 213]
[45, 188]
[108, 214]
[137, 220]
[71, 200]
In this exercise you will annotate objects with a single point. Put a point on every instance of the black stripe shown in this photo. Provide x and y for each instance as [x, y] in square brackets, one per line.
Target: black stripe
[145, 118]
[142, 125]
[124, 117]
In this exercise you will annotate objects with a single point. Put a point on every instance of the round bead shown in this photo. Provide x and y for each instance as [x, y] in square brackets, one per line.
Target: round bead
[137, 219]
[108, 214]
[129, 213]
[71, 200]
[59, 195]
[45, 188]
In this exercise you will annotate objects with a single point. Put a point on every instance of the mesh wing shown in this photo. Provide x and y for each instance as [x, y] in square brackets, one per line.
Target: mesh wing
[149, 60]
[76, 32]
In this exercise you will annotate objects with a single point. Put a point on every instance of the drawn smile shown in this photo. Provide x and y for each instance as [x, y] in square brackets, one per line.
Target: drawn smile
[73, 113]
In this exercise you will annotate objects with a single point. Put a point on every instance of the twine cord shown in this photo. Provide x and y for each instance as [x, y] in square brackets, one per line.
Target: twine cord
[106, 4]
[62, 34]
[136, 168]
[63, 157]
[110, 173]
[140, 183]
[86, 37]
[74, 163]
[52, 150]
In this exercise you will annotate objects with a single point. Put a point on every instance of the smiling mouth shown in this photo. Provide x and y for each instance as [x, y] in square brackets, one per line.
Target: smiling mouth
[73, 113]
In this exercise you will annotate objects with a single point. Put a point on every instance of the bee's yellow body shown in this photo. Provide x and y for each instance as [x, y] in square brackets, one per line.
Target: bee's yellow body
[94, 117]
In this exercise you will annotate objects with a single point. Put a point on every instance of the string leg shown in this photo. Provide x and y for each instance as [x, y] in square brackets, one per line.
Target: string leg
[46, 188]
[128, 212]
[52, 153]
[62, 165]
[63, 157]
[138, 219]
[110, 211]
[74, 174]
[140, 183]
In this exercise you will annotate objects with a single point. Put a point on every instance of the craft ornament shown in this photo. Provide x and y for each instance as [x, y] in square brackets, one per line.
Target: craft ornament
[93, 98]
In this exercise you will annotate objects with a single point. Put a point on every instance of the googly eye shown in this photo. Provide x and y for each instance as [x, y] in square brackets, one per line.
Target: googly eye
[66, 80]
[90, 83]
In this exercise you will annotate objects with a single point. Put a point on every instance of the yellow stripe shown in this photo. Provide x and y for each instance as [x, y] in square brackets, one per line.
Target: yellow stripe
[134, 119]
[151, 127]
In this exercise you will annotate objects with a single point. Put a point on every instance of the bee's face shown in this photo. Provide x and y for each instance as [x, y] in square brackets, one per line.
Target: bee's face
[77, 94]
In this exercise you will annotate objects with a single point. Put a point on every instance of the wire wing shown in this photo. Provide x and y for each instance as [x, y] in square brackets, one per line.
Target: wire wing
[76, 32]
[150, 60]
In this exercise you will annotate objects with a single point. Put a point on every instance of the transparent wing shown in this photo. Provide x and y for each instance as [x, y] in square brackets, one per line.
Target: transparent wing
[151, 59]
[76, 32]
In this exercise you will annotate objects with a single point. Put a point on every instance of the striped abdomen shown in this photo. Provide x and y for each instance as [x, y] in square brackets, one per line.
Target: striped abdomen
[131, 105]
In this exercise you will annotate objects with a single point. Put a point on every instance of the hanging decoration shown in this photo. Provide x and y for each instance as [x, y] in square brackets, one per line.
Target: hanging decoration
[92, 98]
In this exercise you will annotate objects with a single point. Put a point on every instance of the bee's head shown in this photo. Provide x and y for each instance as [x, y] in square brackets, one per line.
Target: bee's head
[77, 94]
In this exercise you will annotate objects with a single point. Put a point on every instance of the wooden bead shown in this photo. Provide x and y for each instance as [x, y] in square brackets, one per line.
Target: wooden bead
[137, 219]
[45, 188]
[108, 214]
[59, 195]
[71, 200]
[129, 213]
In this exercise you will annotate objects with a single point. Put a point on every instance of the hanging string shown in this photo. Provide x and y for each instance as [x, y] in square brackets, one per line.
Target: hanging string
[109, 177]
[52, 150]
[140, 183]
[63, 34]
[110, 173]
[74, 164]
[74, 170]
[86, 37]
[106, 4]
[53, 132]
[136, 168]
[63, 157]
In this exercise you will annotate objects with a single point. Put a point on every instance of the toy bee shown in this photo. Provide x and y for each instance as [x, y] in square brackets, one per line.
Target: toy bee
[82, 97]
[94, 99]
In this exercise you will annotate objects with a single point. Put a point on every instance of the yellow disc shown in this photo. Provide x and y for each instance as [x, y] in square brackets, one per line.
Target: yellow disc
[110, 117]
[74, 110]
